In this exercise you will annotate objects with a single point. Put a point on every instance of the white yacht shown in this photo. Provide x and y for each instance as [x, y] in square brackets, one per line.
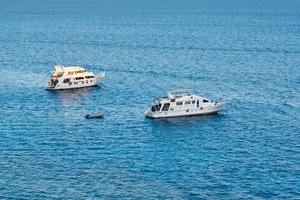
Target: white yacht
[182, 103]
[72, 77]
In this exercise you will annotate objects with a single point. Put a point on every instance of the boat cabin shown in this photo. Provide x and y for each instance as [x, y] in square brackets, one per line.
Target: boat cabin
[179, 100]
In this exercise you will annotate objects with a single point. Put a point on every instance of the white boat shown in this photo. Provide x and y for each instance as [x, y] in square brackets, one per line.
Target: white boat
[72, 77]
[180, 103]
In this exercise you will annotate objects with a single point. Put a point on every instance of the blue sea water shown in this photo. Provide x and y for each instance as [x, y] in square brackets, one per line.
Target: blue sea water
[245, 53]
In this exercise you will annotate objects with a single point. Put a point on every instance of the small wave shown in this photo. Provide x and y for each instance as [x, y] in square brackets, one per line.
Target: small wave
[289, 104]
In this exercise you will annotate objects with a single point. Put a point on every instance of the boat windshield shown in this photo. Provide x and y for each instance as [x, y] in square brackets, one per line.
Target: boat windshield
[156, 108]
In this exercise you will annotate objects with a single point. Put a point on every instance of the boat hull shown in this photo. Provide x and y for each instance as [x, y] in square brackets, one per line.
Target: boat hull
[94, 115]
[184, 113]
[66, 87]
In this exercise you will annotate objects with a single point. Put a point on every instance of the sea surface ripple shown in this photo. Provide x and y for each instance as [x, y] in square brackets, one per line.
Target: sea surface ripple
[244, 53]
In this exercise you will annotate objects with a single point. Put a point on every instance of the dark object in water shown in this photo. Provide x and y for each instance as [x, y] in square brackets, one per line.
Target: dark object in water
[94, 115]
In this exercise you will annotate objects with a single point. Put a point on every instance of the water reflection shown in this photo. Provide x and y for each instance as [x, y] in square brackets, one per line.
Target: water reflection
[75, 103]
[183, 121]
[71, 96]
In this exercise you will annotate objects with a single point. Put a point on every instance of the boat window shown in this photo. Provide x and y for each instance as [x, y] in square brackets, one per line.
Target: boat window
[187, 102]
[153, 108]
[193, 102]
[197, 103]
[166, 107]
[205, 101]
[67, 80]
[179, 103]
[79, 78]
[157, 107]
